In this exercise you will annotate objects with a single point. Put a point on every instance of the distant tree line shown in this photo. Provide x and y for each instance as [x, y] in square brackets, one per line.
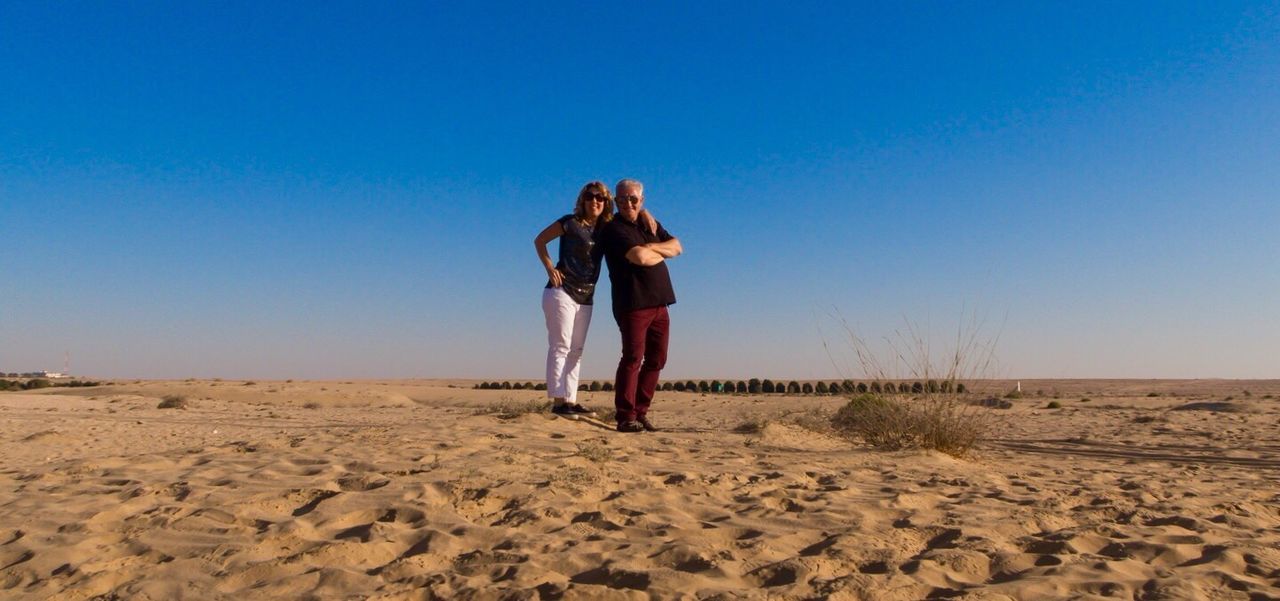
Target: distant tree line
[766, 386]
[37, 383]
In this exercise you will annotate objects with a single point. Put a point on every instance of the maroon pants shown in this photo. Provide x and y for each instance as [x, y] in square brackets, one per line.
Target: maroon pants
[644, 352]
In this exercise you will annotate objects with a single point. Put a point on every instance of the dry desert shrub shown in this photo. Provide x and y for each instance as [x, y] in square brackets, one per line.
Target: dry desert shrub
[172, 401]
[936, 411]
[941, 423]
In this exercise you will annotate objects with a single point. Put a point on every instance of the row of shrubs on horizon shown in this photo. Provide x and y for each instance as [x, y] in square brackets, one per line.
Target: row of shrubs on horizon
[37, 383]
[757, 386]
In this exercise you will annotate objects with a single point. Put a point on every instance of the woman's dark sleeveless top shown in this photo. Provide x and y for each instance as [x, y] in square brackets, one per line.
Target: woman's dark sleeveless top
[580, 258]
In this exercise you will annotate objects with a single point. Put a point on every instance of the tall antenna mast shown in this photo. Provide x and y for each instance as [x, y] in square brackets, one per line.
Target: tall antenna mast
[66, 363]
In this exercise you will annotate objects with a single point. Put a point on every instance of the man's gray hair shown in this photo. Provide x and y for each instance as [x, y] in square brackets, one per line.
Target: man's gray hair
[629, 183]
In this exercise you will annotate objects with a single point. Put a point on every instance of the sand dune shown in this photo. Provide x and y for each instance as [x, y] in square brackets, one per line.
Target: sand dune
[410, 490]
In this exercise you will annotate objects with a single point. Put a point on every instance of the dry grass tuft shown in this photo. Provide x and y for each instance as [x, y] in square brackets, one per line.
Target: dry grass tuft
[939, 412]
[608, 416]
[815, 420]
[595, 451]
[173, 401]
[508, 408]
[942, 423]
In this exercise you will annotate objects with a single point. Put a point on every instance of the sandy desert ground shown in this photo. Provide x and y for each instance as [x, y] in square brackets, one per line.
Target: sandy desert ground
[419, 490]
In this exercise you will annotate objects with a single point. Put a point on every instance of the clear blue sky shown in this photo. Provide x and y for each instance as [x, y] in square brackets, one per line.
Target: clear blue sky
[320, 190]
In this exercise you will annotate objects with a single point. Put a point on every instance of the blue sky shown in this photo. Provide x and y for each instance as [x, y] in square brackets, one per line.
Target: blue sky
[322, 190]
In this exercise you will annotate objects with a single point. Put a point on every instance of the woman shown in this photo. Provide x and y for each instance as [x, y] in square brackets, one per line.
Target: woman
[571, 285]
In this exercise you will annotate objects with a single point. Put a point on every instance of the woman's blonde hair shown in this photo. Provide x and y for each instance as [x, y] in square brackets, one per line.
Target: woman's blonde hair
[585, 195]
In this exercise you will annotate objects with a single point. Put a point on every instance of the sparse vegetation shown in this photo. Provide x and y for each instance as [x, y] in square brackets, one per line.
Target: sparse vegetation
[1086, 400]
[1053, 405]
[1013, 394]
[508, 408]
[594, 451]
[1153, 394]
[173, 401]
[311, 405]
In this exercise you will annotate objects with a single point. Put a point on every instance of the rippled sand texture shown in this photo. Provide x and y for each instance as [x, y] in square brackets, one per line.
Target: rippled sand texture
[406, 490]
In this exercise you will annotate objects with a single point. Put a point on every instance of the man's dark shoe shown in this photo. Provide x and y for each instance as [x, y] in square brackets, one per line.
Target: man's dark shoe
[576, 408]
[646, 424]
[563, 410]
[630, 427]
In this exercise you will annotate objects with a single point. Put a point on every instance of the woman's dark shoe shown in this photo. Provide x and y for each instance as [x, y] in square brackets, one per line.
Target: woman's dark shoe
[630, 427]
[646, 424]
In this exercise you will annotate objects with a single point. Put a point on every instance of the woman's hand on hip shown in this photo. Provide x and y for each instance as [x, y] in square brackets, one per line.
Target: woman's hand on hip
[557, 278]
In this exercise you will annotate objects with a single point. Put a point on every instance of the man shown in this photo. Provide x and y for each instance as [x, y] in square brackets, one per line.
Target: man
[641, 292]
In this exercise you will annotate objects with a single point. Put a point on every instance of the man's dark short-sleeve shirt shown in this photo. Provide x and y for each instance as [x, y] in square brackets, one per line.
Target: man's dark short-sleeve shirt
[635, 286]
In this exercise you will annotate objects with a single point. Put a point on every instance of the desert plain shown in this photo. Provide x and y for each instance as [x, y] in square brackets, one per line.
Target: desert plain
[430, 489]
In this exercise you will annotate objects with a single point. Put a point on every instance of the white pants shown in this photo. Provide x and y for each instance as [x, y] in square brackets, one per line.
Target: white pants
[567, 323]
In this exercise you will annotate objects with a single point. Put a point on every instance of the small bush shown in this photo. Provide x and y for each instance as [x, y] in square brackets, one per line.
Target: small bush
[703, 386]
[1153, 394]
[742, 387]
[960, 388]
[540, 386]
[938, 423]
[666, 386]
[862, 388]
[37, 384]
[250, 383]
[172, 401]
[932, 387]
[917, 388]
[594, 387]
[716, 386]
[806, 388]
[678, 386]
[1086, 400]
[506, 385]
[607, 386]
[875, 388]
[767, 386]
[311, 405]
[1013, 394]
[793, 387]
[904, 388]
[821, 388]
[1053, 405]
[848, 387]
